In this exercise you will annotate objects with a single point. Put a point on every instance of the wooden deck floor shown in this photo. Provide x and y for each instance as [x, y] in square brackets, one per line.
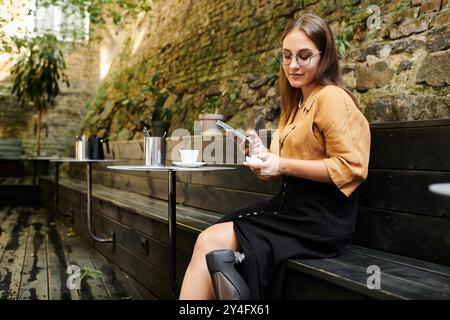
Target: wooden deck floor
[35, 251]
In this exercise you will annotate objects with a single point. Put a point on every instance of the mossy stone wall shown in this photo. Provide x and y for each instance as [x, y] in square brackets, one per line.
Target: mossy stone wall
[225, 48]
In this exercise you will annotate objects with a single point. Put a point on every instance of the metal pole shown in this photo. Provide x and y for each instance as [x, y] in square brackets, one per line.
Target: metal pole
[56, 187]
[35, 169]
[89, 207]
[172, 231]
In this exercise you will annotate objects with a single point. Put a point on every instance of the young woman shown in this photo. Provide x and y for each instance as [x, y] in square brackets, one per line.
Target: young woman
[320, 148]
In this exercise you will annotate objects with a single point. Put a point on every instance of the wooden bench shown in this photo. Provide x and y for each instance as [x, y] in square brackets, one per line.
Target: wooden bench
[16, 187]
[121, 203]
[10, 148]
[402, 228]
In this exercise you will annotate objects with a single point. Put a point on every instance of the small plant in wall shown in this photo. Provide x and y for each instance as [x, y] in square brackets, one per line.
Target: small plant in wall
[272, 69]
[343, 41]
[209, 113]
[161, 116]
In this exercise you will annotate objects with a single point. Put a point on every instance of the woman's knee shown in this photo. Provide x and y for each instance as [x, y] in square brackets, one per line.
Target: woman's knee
[216, 237]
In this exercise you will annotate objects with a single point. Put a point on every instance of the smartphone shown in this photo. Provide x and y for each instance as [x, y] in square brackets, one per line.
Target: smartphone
[240, 135]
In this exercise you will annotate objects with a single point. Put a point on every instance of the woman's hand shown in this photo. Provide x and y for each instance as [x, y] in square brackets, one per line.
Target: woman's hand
[269, 168]
[256, 147]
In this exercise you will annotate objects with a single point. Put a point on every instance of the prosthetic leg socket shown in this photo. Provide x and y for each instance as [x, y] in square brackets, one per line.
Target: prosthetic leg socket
[228, 283]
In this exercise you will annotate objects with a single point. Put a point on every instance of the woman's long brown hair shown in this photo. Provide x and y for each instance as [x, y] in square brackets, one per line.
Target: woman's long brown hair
[328, 72]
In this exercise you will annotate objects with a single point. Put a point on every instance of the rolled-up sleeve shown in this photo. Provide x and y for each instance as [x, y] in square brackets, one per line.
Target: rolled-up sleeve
[347, 137]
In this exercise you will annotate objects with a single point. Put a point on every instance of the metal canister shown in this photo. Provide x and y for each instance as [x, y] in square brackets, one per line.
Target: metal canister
[80, 150]
[154, 151]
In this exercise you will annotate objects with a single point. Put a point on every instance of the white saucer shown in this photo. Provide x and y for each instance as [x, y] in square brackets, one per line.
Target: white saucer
[189, 165]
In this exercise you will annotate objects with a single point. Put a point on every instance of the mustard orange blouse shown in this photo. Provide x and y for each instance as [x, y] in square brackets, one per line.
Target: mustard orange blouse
[328, 126]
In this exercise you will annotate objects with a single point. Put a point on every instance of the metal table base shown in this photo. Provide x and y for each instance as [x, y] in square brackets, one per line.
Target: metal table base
[171, 209]
[88, 163]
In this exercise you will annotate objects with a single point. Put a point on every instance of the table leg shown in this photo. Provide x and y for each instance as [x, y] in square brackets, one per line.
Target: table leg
[89, 207]
[56, 187]
[172, 216]
[35, 169]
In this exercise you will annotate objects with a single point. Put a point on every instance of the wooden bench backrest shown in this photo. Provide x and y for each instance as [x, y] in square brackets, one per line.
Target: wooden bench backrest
[397, 211]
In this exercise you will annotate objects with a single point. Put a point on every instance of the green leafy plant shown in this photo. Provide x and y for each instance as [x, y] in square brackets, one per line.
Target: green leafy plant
[211, 105]
[37, 73]
[129, 103]
[160, 95]
[272, 69]
[343, 41]
[88, 272]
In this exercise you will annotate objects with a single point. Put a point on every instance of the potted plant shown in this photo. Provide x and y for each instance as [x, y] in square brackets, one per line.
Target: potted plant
[209, 114]
[161, 116]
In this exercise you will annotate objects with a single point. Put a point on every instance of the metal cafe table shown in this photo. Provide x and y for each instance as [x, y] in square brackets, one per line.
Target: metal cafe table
[172, 203]
[35, 161]
[88, 163]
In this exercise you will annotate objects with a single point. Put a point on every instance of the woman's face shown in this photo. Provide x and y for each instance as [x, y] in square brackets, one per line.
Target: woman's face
[301, 71]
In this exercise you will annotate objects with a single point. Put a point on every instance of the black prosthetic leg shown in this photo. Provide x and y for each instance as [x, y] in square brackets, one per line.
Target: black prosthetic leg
[228, 283]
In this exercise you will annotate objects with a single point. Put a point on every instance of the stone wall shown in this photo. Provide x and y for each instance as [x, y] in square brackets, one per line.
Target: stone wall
[226, 48]
[204, 47]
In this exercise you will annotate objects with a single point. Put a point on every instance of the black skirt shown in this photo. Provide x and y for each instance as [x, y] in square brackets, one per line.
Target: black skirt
[306, 219]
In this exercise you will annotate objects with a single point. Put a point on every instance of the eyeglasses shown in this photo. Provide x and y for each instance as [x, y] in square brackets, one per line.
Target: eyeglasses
[286, 59]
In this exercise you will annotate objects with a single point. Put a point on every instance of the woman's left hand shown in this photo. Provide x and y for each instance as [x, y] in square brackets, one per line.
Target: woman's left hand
[269, 168]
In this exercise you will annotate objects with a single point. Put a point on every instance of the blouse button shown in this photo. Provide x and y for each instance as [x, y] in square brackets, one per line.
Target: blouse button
[248, 214]
[275, 212]
[240, 216]
[255, 213]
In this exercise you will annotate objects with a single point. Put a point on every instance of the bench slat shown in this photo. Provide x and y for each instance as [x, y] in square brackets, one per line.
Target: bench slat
[239, 179]
[411, 235]
[406, 261]
[406, 191]
[141, 204]
[405, 147]
[350, 271]
[413, 275]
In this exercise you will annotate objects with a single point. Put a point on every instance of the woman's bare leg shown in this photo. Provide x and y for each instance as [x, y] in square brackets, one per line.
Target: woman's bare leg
[197, 283]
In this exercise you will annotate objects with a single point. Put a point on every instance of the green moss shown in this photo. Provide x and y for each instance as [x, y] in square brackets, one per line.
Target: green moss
[238, 120]
[100, 98]
[125, 53]
[119, 84]
[272, 69]
[343, 40]
[403, 5]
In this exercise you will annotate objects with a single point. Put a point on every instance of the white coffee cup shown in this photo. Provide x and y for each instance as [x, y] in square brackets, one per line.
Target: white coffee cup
[188, 156]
